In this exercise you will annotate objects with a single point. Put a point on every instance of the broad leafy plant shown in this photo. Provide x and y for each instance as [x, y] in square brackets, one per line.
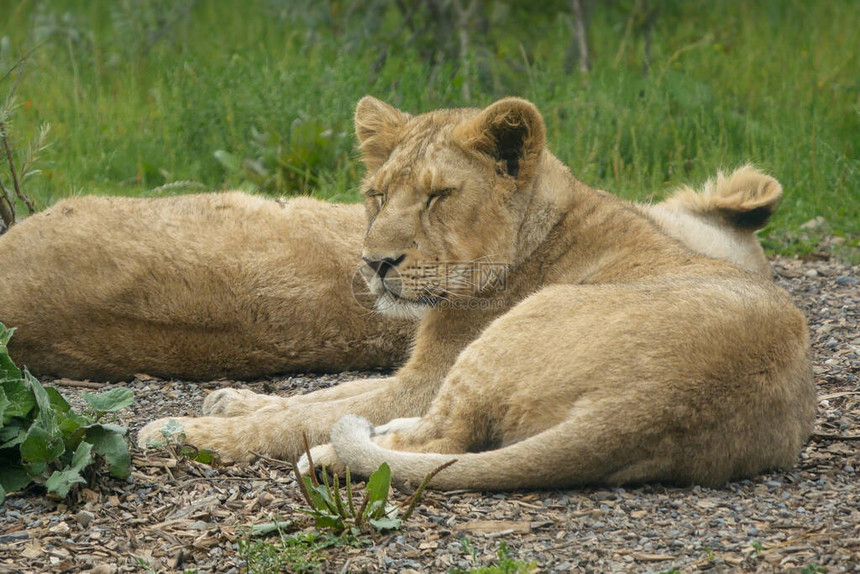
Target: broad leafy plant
[44, 441]
[332, 510]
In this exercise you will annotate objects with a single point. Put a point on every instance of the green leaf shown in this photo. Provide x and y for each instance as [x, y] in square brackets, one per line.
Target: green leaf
[12, 435]
[71, 422]
[318, 495]
[385, 523]
[268, 528]
[203, 455]
[377, 490]
[58, 403]
[8, 370]
[2, 494]
[188, 451]
[324, 519]
[5, 335]
[13, 476]
[375, 509]
[110, 401]
[329, 521]
[46, 418]
[20, 396]
[109, 442]
[207, 456]
[40, 447]
[230, 162]
[61, 481]
[173, 432]
[5, 403]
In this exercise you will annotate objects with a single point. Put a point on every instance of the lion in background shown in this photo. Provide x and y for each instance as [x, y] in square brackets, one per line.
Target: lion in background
[614, 354]
[238, 286]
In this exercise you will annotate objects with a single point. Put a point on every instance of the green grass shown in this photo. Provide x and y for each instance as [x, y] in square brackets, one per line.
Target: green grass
[135, 104]
[300, 553]
[504, 565]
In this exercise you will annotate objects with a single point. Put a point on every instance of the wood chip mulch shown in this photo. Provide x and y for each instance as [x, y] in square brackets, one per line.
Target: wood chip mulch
[178, 515]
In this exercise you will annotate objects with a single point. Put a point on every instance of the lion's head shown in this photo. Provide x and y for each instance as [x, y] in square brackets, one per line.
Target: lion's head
[445, 195]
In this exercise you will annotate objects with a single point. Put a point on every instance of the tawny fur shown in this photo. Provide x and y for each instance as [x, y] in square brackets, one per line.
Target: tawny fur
[235, 285]
[721, 218]
[604, 351]
[198, 287]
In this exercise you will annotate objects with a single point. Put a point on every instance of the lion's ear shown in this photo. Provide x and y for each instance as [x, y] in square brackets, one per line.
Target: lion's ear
[511, 131]
[377, 126]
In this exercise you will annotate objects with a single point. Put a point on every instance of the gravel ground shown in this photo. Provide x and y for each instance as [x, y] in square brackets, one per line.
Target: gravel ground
[184, 516]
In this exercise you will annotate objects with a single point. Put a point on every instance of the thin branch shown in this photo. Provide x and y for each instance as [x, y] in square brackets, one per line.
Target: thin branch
[7, 210]
[300, 480]
[19, 64]
[819, 436]
[310, 460]
[359, 517]
[284, 464]
[837, 395]
[78, 384]
[706, 39]
[15, 183]
[628, 30]
[413, 500]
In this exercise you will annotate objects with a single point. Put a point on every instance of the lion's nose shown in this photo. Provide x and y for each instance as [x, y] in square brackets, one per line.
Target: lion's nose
[384, 265]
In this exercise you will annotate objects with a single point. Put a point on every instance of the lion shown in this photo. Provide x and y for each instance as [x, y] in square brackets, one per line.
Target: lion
[195, 287]
[564, 338]
[232, 285]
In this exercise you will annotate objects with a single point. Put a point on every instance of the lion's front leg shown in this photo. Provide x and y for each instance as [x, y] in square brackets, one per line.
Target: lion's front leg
[277, 430]
[231, 402]
[269, 431]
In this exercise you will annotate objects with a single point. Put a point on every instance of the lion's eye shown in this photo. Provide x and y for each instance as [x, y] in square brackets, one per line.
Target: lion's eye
[376, 196]
[437, 194]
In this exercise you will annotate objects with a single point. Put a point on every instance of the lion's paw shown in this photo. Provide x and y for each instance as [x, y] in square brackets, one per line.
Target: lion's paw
[235, 402]
[231, 442]
[160, 432]
[323, 456]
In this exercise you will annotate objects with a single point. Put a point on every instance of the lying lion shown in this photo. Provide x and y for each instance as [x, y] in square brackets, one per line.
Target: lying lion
[564, 338]
[233, 285]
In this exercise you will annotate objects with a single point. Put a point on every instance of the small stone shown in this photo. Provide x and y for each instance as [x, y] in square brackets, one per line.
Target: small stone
[61, 528]
[752, 532]
[84, 517]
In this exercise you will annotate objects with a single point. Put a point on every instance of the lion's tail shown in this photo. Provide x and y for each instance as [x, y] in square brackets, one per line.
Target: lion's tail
[525, 464]
[746, 198]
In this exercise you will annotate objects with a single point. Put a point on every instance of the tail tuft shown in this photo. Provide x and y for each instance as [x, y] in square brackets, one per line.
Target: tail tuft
[746, 198]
